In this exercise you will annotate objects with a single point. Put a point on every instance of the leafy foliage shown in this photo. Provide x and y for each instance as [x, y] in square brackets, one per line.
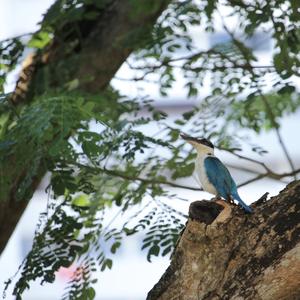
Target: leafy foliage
[10, 52]
[160, 235]
[97, 147]
[249, 113]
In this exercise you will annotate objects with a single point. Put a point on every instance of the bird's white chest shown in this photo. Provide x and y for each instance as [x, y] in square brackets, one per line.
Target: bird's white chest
[202, 176]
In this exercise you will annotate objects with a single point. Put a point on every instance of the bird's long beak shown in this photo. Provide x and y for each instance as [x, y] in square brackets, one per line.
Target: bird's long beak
[185, 137]
[188, 138]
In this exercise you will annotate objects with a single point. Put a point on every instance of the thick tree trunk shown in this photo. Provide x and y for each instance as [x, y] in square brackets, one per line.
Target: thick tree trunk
[103, 47]
[232, 255]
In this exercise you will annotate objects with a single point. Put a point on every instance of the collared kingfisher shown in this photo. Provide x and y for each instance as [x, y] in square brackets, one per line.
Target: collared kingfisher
[213, 175]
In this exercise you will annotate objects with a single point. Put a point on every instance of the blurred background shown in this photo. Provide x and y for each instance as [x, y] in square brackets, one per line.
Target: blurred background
[132, 276]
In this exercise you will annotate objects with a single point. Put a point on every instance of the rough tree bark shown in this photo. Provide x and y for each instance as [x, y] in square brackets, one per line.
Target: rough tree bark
[103, 47]
[226, 254]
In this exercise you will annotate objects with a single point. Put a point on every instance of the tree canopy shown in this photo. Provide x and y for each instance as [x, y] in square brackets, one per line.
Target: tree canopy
[65, 84]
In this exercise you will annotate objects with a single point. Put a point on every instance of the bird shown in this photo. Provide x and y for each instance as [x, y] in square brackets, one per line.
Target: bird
[213, 174]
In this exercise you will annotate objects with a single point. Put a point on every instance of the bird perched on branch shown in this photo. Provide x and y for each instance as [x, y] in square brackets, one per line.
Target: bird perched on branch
[213, 175]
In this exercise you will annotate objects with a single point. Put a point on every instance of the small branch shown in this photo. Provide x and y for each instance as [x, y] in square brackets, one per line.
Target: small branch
[248, 159]
[149, 181]
[149, 69]
[278, 134]
[258, 177]
[270, 175]
[241, 168]
[211, 51]
[293, 173]
[284, 148]
[123, 175]
[17, 36]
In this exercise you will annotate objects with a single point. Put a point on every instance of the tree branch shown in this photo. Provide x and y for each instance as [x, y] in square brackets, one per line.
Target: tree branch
[278, 134]
[122, 174]
[149, 69]
[248, 159]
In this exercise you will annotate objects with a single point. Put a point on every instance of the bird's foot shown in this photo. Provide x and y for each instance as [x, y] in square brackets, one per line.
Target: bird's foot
[231, 201]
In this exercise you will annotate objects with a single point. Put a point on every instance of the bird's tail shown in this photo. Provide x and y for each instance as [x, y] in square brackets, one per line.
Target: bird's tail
[247, 208]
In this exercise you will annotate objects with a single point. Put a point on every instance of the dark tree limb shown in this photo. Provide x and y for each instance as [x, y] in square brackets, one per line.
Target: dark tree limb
[233, 255]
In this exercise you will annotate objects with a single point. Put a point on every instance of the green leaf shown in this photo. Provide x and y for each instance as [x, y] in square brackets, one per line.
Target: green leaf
[107, 263]
[287, 89]
[115, 247]
[154, 250]
[167, 250]
[81, 201]
[91, 293]
[39, 40]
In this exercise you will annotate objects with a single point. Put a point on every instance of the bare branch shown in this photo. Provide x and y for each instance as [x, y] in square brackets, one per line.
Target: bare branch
[278, 134]
[248, 159]
[121, 174]
[270, 175]
[258, 177]
[149, 69]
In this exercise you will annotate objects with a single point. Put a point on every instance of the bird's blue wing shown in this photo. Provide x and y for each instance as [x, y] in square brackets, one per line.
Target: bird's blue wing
[219, 177]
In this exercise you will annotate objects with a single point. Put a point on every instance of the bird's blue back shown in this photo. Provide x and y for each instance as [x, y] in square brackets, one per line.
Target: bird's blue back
[220, 177]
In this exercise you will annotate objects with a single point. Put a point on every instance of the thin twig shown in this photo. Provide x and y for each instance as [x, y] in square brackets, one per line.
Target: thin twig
[258, 177]
[272, 176]
[278, 134]
[242, 168]
[17, 36]
[248, 159]
[123, 175]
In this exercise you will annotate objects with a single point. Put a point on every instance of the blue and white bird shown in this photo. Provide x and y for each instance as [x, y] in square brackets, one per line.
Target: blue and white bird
[213, 175]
